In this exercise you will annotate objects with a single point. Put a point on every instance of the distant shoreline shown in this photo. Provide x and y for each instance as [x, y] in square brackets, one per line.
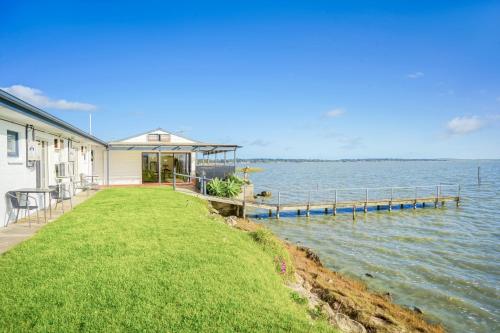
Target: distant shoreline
[304, 160]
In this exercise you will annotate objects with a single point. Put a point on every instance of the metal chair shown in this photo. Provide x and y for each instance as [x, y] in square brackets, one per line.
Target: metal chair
[60, 194]
[81, 184]
[20, 201]
[93, 183]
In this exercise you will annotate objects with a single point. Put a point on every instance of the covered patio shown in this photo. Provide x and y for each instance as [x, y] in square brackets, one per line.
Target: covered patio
[152, 158]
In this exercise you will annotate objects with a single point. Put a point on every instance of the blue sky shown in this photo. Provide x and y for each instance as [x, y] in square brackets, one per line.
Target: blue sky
[291, 79]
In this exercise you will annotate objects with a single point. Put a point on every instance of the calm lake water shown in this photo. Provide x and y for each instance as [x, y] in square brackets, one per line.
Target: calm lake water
[444, 261]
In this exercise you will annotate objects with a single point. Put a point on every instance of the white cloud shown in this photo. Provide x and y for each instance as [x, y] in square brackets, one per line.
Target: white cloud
[259, 143]
[38, 99]
[335, 113]
[416, 75]
[464, 125]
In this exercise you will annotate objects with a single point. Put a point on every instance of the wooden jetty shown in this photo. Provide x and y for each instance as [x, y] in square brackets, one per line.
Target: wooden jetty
[354, 200]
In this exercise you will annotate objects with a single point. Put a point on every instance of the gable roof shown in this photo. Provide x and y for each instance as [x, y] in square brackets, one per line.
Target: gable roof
[159, 129]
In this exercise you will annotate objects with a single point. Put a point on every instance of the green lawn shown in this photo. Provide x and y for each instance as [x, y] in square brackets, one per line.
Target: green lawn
[145, 259]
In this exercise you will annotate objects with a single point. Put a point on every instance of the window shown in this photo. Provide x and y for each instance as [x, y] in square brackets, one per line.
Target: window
[12, 144]
[60, 169]
[153, 137]
[165, 137]
[159, 137]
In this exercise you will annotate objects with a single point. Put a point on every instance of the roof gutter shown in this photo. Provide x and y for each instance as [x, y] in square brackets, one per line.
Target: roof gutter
[29, 110]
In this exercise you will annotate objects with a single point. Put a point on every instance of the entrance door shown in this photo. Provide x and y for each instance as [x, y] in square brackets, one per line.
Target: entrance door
[42, 171]
[150, 167]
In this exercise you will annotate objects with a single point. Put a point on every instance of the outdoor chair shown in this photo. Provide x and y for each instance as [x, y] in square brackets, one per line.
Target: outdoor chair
[61, 193]
[23, 201]
[80, 184]
[93, 183]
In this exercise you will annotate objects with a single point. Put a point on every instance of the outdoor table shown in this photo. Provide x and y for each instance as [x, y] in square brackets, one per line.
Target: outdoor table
[44, 192]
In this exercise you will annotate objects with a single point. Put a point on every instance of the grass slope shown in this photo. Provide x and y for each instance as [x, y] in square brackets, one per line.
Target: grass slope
[144, 259]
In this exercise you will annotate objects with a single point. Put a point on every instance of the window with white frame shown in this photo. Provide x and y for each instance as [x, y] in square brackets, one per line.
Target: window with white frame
[12, 144]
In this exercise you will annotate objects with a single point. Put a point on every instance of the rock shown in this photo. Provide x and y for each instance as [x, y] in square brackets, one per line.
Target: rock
[369, 275]
[310, 254]
[417, 310]
[346, 324]
[231, 220]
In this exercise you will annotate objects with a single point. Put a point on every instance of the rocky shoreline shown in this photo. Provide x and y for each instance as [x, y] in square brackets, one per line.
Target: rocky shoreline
[347, 303]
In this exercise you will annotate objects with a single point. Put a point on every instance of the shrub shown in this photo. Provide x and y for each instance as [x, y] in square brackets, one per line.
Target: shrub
[228, 188]
[216, 187]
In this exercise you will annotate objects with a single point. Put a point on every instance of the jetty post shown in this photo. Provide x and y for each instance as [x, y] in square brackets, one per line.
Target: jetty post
[458, 195]
[335, 204]
[437, 197]
[390, 202]
[365, 209]
[478, 175]
[308, 210]
[415, 202]
[278, 206]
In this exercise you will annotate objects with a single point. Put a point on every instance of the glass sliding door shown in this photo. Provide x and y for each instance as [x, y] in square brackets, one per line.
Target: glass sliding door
[150, 167]
[182, 166]
[167, 168]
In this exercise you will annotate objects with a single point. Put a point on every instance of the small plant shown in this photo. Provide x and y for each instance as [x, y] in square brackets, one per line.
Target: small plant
[317, 313]
[227, 188]
[297, 298]
[231, 188]
[238, 180]
[215, 187]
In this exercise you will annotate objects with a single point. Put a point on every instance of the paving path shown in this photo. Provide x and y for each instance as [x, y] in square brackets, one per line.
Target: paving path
[15, 233]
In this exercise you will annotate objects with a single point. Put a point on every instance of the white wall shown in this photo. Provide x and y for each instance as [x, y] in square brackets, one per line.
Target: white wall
[125, 167]
[13, 171]
[14, 174]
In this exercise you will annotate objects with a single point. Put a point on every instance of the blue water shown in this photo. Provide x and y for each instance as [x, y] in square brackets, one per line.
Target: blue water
[444, 260]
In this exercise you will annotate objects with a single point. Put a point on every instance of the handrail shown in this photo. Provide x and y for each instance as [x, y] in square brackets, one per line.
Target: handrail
[369, 188]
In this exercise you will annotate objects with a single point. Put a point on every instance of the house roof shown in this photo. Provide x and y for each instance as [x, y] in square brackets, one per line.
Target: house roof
[182, 145]
[151, 131]
[20, 106]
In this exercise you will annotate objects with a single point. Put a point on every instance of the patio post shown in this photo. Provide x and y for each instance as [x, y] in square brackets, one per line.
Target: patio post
[159, 168]
[173, 183]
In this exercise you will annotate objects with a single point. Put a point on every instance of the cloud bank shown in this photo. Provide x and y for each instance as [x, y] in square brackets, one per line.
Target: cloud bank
[335, 113]
[38, 99]
[416, 75]
[464, 125]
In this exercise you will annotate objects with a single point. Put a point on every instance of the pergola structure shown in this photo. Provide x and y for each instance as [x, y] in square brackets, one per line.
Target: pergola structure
[161, 149]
